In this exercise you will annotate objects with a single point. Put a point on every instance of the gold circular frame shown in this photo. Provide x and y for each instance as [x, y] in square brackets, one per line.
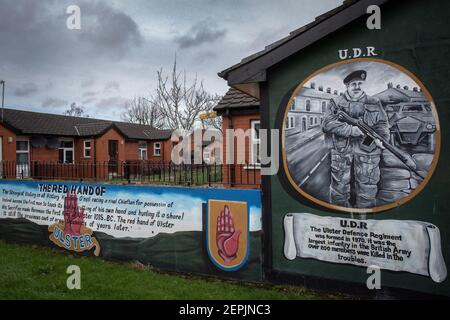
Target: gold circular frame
[385, 207]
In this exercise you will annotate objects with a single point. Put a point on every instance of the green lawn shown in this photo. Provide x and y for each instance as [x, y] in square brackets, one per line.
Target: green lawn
[29, 272]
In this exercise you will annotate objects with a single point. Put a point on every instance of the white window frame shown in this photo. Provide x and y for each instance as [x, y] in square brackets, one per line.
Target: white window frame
[141, 150]
[254, 141]
[87, 148]
[65, 149]
[157, 149]
[206, 157]
[25, 167]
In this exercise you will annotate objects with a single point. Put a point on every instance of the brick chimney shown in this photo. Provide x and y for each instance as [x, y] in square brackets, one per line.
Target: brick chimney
[390, 85]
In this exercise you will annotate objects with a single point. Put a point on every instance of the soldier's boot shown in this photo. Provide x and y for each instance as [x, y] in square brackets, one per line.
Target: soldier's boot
[340, 178]
[367, 176]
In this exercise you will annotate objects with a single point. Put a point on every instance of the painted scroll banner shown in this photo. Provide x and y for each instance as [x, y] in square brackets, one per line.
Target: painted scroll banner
[410, 246]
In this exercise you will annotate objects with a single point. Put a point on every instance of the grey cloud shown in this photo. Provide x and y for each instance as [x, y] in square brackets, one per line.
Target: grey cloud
[34, 34]
[112, 102]
[202, 32]
[87, 83]
[54, 103]
[130, 40]
[26, 90]
[112, 85]
[107, 27]
[88, 101]
[89, 94]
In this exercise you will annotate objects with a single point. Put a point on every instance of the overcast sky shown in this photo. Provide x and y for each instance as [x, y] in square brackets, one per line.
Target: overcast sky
[121, 45]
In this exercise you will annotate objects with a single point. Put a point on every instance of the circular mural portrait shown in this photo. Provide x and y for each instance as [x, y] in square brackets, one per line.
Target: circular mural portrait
[360, 136]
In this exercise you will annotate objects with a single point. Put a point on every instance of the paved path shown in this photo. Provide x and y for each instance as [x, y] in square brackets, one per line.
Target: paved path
[298, 139]
[309, 166]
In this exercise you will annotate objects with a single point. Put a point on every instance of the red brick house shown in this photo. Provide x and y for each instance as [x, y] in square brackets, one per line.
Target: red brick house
[241, 111]
[29, 138]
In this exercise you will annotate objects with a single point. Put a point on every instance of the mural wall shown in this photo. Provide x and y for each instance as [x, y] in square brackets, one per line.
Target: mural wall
[209, 231]
[364, 181]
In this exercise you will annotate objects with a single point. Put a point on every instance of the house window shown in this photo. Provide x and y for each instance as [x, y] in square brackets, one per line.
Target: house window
[311, 121]
[142, 150]
[22, 152]
[255, 143]
[87, 148]
[22, 158]
[308, 105]
[66, 151]
[290, 123]
[157, 149]
[324, 106]
[206, 157]
[315, 120]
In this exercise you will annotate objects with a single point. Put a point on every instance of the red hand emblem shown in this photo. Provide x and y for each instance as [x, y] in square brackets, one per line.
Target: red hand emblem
[73, 215]
[227, 238]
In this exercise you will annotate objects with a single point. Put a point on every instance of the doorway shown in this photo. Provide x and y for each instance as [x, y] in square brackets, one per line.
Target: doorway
[113, 152]
[303, 124]
[22, 158]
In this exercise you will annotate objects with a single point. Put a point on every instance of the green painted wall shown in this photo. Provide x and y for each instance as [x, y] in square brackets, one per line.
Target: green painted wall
[415, 35]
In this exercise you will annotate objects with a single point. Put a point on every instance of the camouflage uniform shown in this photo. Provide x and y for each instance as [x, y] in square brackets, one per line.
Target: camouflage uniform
[348, 151]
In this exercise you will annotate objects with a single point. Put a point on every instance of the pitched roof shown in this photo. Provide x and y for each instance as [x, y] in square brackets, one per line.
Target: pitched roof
[252, 68]
[236, 99]
[36, 123]
[396, 95]
[411, 93]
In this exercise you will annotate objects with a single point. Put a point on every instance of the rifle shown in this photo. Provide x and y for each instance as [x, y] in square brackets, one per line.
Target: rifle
[372, 135]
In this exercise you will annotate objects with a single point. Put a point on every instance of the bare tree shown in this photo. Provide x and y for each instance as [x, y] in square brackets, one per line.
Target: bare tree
[76, 111]
[143, 111]
[179, 102]
[211, 120]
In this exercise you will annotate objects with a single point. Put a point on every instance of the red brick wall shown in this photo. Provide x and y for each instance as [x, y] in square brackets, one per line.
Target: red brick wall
[101, 146]
[44, 154]
[9, 149]
[238, 173]
[79, 149]
[8, 152]
[150, 152]
[131, 150]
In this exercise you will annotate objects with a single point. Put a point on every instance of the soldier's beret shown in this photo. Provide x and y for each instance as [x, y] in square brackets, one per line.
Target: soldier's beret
[360, 75]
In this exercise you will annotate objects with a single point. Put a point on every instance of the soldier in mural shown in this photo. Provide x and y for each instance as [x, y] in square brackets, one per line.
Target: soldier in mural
[348, 146]
[376, 144]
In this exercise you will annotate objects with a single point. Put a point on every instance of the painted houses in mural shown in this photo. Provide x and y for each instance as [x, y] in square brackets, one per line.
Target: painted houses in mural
[308, 108]
[31, 141]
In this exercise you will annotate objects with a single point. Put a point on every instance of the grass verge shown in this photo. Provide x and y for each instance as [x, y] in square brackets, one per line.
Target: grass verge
[31, 272]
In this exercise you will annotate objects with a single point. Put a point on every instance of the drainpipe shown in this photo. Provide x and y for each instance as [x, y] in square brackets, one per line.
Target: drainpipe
[231, 168]
[95, 158]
